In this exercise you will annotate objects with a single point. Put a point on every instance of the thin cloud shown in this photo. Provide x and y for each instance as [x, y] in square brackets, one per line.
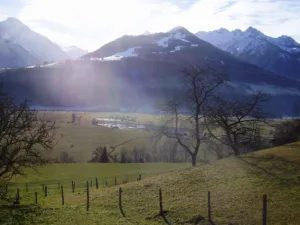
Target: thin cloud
[92, 23]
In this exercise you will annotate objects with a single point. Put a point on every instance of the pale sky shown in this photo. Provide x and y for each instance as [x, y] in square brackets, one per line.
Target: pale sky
[89, 24]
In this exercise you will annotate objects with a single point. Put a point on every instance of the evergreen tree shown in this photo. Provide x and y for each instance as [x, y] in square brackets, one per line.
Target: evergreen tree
[104, 156]
[123, 157]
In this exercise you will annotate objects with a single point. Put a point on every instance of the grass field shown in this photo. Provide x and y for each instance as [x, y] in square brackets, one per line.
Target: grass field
[80, 140]
[53, 174]
[236, 186]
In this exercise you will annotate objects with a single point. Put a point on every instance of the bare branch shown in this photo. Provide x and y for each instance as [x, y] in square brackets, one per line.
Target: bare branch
[201, 83]
[239, 121]
[23, 138]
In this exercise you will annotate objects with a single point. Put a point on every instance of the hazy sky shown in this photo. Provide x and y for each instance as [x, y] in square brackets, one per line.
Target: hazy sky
[91, 23]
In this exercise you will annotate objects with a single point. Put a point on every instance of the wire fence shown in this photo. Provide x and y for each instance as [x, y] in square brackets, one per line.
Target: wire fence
[90, 202]
[68, 183]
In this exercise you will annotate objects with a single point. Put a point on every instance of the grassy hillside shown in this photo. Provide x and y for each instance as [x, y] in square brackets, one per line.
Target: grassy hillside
[53, 174]
[236, 186]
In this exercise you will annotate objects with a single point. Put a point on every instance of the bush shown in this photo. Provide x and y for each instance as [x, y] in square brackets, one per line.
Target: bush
[286, 132]
[100, 155]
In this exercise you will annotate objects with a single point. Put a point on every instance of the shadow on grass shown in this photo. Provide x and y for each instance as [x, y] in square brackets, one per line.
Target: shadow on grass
[19, 214]
[274, 168]
[162, 215]
[199, 220]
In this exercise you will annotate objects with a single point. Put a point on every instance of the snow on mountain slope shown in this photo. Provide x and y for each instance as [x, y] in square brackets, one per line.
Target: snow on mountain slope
[175, 34]
[37, 45]
[149, 46]
[286, 43]
[236, 42]
[274, 54]
[219, 37]
[127, 53]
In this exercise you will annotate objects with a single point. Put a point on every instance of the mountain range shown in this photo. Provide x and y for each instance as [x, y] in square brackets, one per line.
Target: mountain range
[135, 73]
[280, 55]
[21, 47]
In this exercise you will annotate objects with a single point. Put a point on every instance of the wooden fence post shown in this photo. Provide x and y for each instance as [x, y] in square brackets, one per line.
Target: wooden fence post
[18, 196]
[140, 177]
[46, 191]
[35, 197]
[62, 195]
[160, 203]
[209, 206]
[265, 210]
[97, 185]
[161, 211]
[72, 186]
[87, 196]
[120, 202]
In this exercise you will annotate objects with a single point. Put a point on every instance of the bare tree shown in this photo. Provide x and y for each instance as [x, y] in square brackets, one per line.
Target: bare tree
[23, 137]
[201, 85]
[237, 123]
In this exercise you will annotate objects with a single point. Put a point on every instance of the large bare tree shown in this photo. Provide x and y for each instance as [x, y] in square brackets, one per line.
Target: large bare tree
[201, 85]
[24, 138]
[237, 123]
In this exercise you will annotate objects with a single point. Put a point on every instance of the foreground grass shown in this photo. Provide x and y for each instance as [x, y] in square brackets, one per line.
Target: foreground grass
[236, 186]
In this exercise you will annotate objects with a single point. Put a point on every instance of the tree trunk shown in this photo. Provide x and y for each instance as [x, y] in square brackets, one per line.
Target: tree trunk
[194, 161]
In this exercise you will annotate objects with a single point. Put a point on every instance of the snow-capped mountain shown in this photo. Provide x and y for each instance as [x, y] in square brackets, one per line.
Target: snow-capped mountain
[180, 47]
[164, 46]
[37, 47]
[286, 43]
[74, 52]
[278, 55]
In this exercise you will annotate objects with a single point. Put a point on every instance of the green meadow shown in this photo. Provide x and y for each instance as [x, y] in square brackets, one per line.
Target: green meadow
[236, 186]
